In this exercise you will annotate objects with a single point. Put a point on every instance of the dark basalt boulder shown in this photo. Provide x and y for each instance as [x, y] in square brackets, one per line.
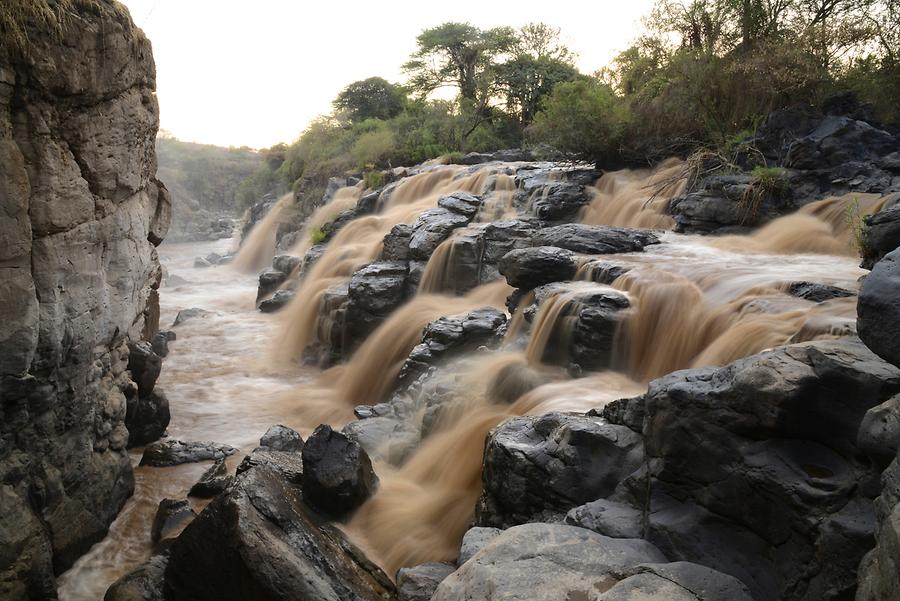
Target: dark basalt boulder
[146, 418]
[453, 336]
[559, 201]
[337, 473]
[419, 582]
[172, 516]
[282, 438]
[879, 432]
[879, 572]
[161, 340]
[144, 583]
[754, 468]
[269, 281]
[144, 365]
[816, 292]
[192, 313]
[286, 264]
[165, 453]
[878, 309]
[213, 481]
[432, 227]
[529, 268]
[609, 518]
[551, 463]
[374, 292]
[396, 243]
[462, 203]
[259, 541]
[288, 464]
[882, 233]
[277, 301]
[546, 562]
[310, 258]
[594, 239]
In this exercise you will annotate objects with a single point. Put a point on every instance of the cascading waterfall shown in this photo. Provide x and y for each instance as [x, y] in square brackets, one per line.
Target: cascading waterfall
[344, 199]
[258, 249]
[636, 198]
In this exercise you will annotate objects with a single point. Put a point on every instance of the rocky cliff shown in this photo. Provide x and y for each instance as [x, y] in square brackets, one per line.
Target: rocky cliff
[80, 215]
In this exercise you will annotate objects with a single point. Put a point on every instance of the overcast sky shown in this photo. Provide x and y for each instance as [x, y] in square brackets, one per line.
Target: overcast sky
[233, 72]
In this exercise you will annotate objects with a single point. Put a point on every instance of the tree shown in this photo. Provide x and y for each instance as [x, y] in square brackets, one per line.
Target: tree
[372, 98]
[460, 55]
[525, 81]
[540, 40]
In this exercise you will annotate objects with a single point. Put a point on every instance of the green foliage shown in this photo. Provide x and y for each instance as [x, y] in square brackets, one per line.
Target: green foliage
[317, 234]
[583, 118]
[452, 158]
[372, 98]
[374, 147]
[373, 180]
[771, 179]
[856, 225]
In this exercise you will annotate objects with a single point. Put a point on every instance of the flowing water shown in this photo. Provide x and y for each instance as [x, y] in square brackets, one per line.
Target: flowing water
[693, 302]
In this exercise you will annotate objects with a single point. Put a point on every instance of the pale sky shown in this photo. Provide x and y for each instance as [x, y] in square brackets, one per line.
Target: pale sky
[254, 73]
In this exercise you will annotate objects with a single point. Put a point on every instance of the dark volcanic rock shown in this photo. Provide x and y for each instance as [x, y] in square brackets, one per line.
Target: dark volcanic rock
[374, 292]
[269, 281]
[144, 366]
[337, 473]
[192, 313]
[259, 541]
[594, 239]
[879, 572]
[213, 481]
[396, 243]
[754, 467]
[286, 264]
[419, 583]
[175, 452]
[144, 583]
[552, 463]
[282, 438]
[171, 517]
[882, 233]
[160, 342]
[545, 562]
[560, 201]
[878, 309]
[146, 418]
[879, 432]
[462, 203]
[609, 518]
[432, 227]
[816, 293]
[528, 268]
[289, 464]
[277, 302]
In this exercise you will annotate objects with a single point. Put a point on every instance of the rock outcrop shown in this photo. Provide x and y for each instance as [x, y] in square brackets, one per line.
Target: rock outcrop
[878, 310]
[82, 213]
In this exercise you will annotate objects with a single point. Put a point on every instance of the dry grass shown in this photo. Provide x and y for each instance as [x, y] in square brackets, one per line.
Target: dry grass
[20, 18]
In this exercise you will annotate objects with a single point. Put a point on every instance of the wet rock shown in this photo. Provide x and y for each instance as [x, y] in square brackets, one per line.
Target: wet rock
[609, 518]
[160, 342]
[560, 201]
[474, 540]
[146, 418]
[337, 473]
[462, 203]
[552, 463]
[374, 292]
[815, 292]
[878, 309]
[677, 581]
[311, 256]
[528, 268]
[605, 273]
[175, 452]
[419, 583]
[384, 438]
[172, 516]
[368, 203]
[144, 583]
[449, 337]
[213, 481]
[594, 239]
[259, 541]
[879, 572]
[144, 365]
[269, 281]
[200, 263]
[432, 227]
[882, 233]
[288, 464]
[879, 432]
[545, 562]
[277, 302]
[192, 313]
[282, 438]
[286, 264]
[396, 243]
[754, 467]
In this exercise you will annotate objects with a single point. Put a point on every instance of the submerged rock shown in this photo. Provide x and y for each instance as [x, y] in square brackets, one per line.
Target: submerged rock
[259, 541]
[192, 313]
[816, 292]
[175, 452]
[337, 473]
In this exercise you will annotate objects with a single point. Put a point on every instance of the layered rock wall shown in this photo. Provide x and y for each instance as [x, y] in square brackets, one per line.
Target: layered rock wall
[80, 214]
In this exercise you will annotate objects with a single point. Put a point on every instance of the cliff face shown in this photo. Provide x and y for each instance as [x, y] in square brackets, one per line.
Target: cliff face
[80, 213]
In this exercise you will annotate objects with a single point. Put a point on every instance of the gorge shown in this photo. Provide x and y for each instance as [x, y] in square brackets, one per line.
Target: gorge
[494, 375]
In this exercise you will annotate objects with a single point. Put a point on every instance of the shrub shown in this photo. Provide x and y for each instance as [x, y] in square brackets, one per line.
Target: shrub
[373, 179]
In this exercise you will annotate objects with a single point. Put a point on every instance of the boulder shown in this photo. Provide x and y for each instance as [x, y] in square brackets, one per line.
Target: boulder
[879, 432]
[146, 418]
[165, 453]
[618, 520]
[337, 473]
[878, 309]
[286, 264]
[277, 301]
[213, 481]
[288, 464]
[594, 239]
[144, 583]
[192, 313]
[559, 201]
[545, 562]
[474, 541]
[396, 243]
[373, 293]
[172, 516]
[419, 583]
[882, 232]
[677, 581]
[432, 227]
[259, 541]
[160, 342]
[282, 438]
[529, 268]
[815, 292]
[879, 572]
[462, 203]
[548, 464]
[144, 365]
[269, 281]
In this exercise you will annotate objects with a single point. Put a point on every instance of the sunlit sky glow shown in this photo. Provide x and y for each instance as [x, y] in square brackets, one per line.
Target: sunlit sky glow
[234, 73]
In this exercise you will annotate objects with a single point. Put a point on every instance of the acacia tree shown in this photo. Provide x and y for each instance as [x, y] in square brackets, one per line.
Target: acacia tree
[372, 98]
